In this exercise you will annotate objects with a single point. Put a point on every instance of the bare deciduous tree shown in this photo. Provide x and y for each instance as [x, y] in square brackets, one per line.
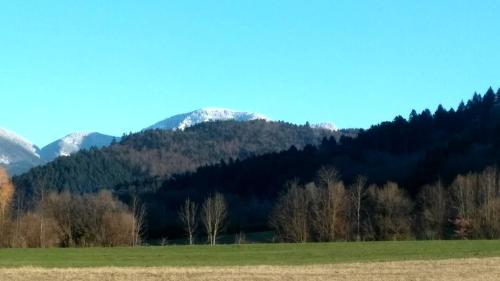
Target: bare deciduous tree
[290, 218]
[463, 202]
[489, 200]
[332, 204]
[433, 211]
[214, 216]
[28, 232]
[91, 220]
[356, 193]
[188, 216]
[475, 201]
[138, 221]
[328, 176]
[42, 218]
[59, 207]
[392, 216]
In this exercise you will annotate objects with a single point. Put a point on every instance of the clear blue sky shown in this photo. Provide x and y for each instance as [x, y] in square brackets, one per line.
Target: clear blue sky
[119, 66]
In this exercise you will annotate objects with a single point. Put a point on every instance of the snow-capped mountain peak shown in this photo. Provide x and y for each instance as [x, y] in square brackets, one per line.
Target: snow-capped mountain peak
[183, 121]
[16, 153]
[73, 143]
[18, 140]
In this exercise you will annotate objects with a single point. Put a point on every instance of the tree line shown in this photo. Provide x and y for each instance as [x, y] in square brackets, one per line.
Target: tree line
[64, 219]
[67, 220]
[412, 153]
[328, 210]
[324, 210]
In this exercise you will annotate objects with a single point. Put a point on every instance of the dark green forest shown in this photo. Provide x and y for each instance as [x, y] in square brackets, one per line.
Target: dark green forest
[411, 152]
[160, 154]
[252, 163]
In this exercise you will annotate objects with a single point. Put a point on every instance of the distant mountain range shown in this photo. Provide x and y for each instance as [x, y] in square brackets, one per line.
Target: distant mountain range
[18, 155]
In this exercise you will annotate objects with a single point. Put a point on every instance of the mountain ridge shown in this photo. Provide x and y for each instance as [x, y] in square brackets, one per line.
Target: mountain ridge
[164, 153]
[77, 141]
[189, 119]
[16, 153]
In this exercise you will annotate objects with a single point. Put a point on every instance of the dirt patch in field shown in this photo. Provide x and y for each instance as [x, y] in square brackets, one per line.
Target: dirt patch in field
[459, 269]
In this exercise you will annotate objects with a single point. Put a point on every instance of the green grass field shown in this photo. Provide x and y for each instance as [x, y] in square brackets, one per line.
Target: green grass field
[250, 254]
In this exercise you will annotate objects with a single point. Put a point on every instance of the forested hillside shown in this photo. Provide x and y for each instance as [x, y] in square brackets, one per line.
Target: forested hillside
[412, 152]
[161, 153]
[252, 163]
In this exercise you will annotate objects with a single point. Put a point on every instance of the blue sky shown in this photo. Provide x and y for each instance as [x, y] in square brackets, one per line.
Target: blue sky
[119, 66]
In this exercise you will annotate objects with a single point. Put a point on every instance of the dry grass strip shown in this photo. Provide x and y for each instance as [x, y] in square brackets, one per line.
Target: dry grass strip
[485, 269]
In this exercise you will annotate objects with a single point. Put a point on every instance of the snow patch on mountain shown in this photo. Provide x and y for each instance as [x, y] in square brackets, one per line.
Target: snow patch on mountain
[183, 121]
[18, 140]
[17, 154]
[73, 143]
[4, 160]
[325, 126]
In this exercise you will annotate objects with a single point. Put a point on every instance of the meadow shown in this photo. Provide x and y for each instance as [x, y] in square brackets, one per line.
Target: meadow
[250, 254]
